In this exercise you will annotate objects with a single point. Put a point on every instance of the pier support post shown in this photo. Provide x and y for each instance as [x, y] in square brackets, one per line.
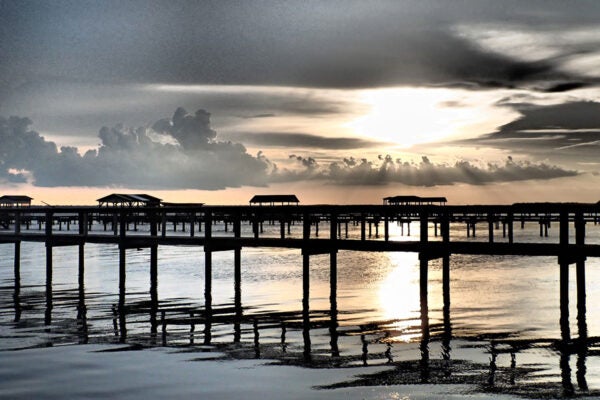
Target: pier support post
[446, 282]
[424, 345]
[580, 277]
[564, 276]
[153, 274]
[306, 303]
[237, 272]
[510, 219]
[424, 222]
[491, 228]
[335, 352]
[208, 263]
[362, 227]
[49, 218]
[17, 266]
[163, 227]
[193, 224]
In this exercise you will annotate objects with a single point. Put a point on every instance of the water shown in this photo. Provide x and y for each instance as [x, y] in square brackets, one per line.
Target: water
[502, 334]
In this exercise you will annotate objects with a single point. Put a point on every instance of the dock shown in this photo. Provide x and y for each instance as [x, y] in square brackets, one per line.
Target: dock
[312, 229]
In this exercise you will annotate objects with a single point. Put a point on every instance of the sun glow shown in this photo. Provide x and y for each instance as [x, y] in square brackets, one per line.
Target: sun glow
[409, 116]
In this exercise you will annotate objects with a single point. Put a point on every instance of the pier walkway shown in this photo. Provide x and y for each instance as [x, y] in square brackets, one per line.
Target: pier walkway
[314, 229]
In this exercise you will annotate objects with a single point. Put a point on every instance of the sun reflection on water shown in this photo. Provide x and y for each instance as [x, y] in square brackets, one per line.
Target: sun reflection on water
[399, 297]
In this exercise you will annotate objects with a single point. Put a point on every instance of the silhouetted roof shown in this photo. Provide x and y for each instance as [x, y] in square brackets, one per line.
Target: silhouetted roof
[166, 204]
[434, 199]
[15, 199]
[121, 198]
[398, 199]
[414, 199]
[274, 198]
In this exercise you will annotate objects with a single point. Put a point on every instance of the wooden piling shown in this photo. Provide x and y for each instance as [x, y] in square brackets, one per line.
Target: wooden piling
[207, 263]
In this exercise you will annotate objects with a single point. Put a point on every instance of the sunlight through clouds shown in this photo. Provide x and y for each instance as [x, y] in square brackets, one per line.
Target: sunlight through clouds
[409, 116]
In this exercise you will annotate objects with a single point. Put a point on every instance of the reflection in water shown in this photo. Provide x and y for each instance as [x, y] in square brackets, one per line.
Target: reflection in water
[406, 339]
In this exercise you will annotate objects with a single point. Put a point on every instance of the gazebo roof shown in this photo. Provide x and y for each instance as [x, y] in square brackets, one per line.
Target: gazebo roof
[274, 198]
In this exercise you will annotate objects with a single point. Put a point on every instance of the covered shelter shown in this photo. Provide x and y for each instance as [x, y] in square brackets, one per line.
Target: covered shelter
[274, 199]
[414, 201]
[129, 200]
[15, 201]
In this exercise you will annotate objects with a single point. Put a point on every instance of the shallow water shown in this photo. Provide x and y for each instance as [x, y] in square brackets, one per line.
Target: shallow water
[501, 333]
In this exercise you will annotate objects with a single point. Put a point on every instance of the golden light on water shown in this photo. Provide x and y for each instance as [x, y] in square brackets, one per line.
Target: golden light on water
[399, 295]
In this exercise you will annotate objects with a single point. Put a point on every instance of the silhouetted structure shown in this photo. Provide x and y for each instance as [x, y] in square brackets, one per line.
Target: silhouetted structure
[272, 199]
[15, 201]
[183, 205]
[414, 201]
[129, 200]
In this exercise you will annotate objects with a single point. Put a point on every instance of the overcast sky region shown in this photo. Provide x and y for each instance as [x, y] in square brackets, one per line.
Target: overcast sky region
[335, 101]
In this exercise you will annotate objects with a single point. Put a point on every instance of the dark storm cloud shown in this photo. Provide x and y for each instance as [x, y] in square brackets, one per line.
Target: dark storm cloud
[130, 157]
[386, 170]
[301, 140]
[569, 131]
[308, 43]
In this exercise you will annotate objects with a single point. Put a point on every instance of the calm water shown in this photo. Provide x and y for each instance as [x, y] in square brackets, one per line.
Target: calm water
[502, 334]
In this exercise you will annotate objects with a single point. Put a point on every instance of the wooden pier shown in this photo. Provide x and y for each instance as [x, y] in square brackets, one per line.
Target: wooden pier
[243, 226]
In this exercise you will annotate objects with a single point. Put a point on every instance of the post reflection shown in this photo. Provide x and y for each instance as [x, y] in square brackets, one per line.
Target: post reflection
[82, 324]
[425, 333]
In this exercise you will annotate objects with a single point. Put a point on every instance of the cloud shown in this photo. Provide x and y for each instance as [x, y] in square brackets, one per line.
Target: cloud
[307, 44]
[568, 131]
[130, 157]
[386, 170]
[302, 140]
[182, 152]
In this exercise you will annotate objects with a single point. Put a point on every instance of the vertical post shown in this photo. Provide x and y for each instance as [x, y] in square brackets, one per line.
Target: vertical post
[333, 223]
[446, 281]
[237, 275]
[510, 220]
[17, 267]
[424, 222]
[122, 261]
[255, 226]
[491, 228]
[81, 265]
[305, 226]
[580, 277]
[49, 218]
[424, 346]
[17, 223]
[362, 227]
[193, 224]
[333, 284]
[282, 228]
[83, 230]
[335, 352]
[386, 228]
[115, 224]
[564, 275]
[153, 272]
[306, 303]
[207, 262]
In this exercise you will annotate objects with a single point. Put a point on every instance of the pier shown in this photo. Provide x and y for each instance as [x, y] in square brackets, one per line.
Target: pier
[313, 230]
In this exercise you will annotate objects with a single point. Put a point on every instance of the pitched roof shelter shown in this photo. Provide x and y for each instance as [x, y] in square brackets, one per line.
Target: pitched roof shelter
[272, 199]
[15, 201]
[129, 200]
[414, 200]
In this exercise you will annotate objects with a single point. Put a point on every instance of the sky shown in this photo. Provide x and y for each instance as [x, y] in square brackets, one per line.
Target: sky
[335, 101]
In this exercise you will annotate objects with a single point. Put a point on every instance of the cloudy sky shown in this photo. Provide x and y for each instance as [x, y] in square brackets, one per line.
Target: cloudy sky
[336, 101]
